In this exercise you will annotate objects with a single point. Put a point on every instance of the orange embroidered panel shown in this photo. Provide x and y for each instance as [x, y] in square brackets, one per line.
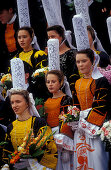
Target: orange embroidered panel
[96, 118]
[9, 38]
[52, 108]
[65, 129]
[85, 89]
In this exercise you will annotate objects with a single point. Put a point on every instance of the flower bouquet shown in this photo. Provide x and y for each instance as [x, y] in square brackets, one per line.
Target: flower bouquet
[39, 103]
[40, 72]
[31, 147]
[6, 83]
[106, 72]
[72, 117]
[39, 85]
[105, 134]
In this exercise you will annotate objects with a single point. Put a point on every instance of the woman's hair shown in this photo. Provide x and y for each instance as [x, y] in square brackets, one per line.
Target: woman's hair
[58, 29]
[88, 52]
[23, 93]
[28, 29]
[58, 73]
[91, 31]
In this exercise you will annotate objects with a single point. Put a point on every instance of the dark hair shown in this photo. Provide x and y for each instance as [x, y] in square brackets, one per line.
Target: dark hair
[7, 4]
[88, 52]
[28, 29]
[58, 73]
[58, 29]
[91, 31]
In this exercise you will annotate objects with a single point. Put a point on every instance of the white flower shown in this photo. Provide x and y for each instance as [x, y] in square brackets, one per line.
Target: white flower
[102, 136]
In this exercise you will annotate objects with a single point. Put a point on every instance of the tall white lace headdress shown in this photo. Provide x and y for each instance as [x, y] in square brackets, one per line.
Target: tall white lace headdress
[18, 81]
[52, 9]
[80, 31]
[82, 41]
[24, 18]
[54, 61]
[53, 54]
[81, 6]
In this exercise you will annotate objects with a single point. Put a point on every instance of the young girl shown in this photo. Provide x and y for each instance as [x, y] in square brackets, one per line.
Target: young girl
[92, 95]
[31, 57]
[18, 129]
[54, 107]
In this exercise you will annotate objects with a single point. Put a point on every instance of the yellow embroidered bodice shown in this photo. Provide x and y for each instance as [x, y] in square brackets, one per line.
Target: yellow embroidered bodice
[19, 131]
[26, 56]
[85, 92]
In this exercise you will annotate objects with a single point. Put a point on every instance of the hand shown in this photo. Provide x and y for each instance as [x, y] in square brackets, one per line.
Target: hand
[46, 50]
[104, 10]
[74, 125]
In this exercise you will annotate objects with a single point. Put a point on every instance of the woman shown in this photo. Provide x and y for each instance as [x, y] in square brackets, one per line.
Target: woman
[32, 58]
[17, 130]
[53, 108]
[67, 55]
[104, 57]
[92, 95]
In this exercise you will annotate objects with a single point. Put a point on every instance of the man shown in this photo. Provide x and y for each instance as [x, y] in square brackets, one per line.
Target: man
[8, 27]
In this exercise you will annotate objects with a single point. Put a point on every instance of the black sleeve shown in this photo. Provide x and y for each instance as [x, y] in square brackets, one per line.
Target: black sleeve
[101, 103]
[7, 147]
[38, 123]
[2, 139]
[65, 102]
[104, 59]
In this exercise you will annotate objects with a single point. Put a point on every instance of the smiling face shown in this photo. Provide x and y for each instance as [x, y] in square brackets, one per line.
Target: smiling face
[52, 83]
[54, 35]
[18, 103]
[24, 40]
[84, 64]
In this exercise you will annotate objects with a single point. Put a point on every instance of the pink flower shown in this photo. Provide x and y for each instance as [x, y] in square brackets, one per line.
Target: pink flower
[106, 132]
[106, 72]
[103, 128]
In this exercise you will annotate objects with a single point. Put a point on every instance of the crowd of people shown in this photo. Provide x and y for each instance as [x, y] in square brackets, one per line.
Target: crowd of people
[63, 145]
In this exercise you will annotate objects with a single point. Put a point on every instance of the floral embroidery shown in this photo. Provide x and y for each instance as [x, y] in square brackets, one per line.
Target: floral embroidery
[82, 156]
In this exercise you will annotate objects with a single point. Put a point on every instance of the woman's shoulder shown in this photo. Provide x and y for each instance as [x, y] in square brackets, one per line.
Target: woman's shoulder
[66, 100]
[70, 51]
[39, 121]
[40, 52]
[102, 81]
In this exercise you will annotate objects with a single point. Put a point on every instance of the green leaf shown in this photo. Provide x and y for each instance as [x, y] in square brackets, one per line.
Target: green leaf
[38, 153]
[32, 148]
[2, 143]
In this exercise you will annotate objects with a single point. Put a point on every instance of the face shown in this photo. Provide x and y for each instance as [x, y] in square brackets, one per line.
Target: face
[54, 35]
[84, 64]
[53, 83]
[90, 39]
[24, 39]
[18, 103]
[6, 16]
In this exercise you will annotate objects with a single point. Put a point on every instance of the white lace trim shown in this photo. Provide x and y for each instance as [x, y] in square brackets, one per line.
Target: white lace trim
[82, 7]
[53, 54]
[80, 31]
